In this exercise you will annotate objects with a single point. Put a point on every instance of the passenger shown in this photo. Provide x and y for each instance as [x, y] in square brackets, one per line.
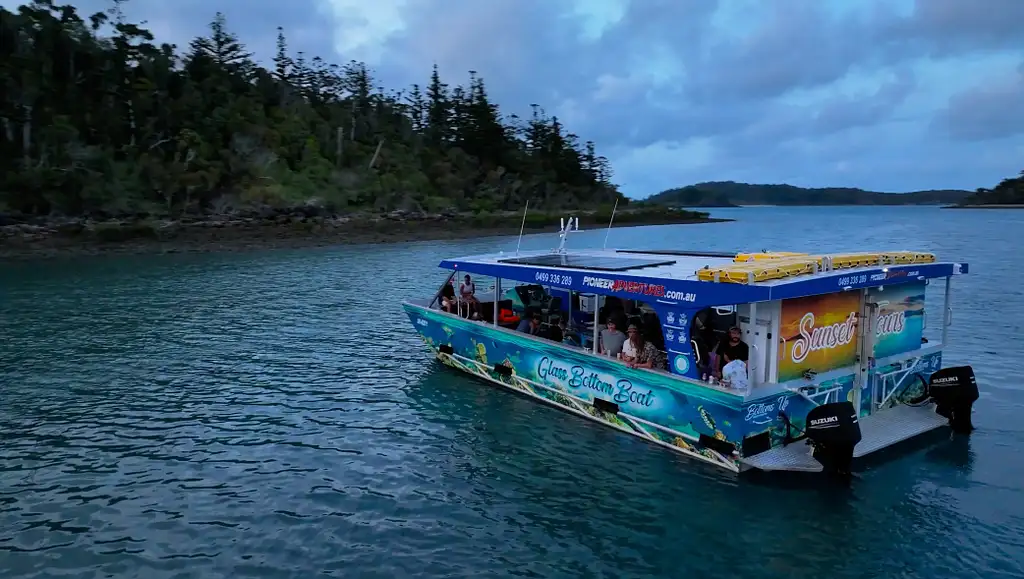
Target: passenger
[524, 324]
[731, 349]
[611, 340]
[612, 309]
[535, 325]
[467, 292]
[704, 337]
[639, 353]
[556, 332]
[448, 303]
[530, 325]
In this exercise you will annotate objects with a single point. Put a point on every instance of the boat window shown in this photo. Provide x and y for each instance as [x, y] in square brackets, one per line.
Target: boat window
[521, 302]
[650, 328]
[709, 327]
[627, 312]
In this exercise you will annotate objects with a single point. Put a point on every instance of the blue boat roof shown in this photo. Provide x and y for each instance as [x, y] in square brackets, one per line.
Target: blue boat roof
[670, 277]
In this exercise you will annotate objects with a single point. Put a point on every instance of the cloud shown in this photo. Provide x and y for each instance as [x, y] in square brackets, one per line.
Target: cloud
[882, 94]
[992, 110]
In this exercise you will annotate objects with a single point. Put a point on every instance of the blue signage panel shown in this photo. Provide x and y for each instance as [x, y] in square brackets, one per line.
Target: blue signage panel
[675, 326]
[851, 280]
[700, 294]
[688, 293]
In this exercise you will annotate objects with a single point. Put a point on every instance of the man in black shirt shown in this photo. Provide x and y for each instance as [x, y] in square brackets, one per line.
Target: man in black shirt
[731, 349]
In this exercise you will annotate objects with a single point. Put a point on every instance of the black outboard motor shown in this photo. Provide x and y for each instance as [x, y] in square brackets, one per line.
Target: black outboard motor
[954, 391]
[833, 431]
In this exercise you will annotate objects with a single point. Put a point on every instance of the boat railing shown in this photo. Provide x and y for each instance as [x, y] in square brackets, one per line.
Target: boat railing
[889, 382]
[824, 397]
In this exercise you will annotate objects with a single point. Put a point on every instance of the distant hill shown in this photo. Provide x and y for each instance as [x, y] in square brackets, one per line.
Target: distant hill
[1007, 192]
[731, 194]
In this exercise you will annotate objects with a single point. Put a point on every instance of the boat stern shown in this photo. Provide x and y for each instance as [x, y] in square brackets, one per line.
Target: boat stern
[835, 437]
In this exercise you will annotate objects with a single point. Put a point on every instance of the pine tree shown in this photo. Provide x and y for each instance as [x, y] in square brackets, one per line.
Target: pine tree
[96, 117]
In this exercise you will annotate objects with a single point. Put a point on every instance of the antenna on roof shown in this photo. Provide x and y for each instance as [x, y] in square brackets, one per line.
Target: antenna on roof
[610, 221]
[522, 227]
[564, 229]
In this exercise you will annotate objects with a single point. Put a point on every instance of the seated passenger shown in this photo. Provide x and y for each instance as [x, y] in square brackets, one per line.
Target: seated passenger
[612, 309]
[639, 353]
[448, 297]
[535, 325]
[467, 292]
[734, 375]
[530, 325]
[731, 349]
[556, 332]
[611, 340]
[524, 323]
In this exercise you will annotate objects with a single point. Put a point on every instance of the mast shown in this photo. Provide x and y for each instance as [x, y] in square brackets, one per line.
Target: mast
[522, 227]
[610, 221]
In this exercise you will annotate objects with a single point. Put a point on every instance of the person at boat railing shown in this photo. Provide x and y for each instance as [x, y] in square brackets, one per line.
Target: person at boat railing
[611, 339]
[638, 352]
[731, 349]
[467, 292]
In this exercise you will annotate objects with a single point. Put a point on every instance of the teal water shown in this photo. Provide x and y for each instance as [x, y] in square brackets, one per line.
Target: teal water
[272, 414]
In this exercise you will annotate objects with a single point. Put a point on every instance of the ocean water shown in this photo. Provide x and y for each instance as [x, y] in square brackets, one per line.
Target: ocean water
[272, 414]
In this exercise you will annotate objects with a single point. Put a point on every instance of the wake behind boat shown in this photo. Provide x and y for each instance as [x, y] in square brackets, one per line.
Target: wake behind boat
[769, 361]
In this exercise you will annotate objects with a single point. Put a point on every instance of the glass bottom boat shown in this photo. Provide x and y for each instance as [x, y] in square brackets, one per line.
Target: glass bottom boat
[831, 362]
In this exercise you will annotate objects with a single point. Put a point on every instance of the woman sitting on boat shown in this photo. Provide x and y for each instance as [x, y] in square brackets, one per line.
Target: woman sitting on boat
[467, 293]
[638, 352]
[448, 303]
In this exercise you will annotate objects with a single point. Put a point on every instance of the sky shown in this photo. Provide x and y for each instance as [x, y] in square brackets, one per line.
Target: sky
[885, 95]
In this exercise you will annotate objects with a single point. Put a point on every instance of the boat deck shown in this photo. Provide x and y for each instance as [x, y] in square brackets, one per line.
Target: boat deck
[878, 431]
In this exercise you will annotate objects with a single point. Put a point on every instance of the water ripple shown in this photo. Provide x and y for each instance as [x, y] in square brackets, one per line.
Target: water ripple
[273, 415]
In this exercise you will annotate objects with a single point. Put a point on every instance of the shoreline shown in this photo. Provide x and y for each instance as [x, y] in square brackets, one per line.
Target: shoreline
[38, 239]
[994, 206]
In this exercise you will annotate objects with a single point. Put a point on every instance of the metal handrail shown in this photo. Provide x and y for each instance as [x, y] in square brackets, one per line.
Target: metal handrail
[886, 396]
[813, 398]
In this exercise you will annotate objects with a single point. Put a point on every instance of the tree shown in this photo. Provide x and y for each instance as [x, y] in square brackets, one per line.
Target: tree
[96, 117]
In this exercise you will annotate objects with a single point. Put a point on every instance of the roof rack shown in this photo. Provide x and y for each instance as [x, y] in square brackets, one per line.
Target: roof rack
[751, 268]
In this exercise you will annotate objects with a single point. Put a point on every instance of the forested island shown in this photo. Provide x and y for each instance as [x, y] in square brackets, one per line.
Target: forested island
[731, 194]
[1008, 193]
[109, 135]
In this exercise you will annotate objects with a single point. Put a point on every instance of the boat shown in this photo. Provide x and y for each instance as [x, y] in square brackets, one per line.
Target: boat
[837, 365]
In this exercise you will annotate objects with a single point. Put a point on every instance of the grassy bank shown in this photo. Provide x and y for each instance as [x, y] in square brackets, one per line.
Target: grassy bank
[288, 228]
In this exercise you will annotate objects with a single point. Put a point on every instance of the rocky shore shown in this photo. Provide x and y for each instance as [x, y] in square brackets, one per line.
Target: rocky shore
[23, 236]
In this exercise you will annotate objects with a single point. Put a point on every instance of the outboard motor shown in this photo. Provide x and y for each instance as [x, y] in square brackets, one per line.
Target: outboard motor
[954, 391]
[833, 431]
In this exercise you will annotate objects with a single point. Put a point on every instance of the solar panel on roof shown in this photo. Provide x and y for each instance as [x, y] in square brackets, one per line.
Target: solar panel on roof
[681, 252]
[586, 262]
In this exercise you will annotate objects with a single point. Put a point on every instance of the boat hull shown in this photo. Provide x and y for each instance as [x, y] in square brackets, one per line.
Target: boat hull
[653, 406]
